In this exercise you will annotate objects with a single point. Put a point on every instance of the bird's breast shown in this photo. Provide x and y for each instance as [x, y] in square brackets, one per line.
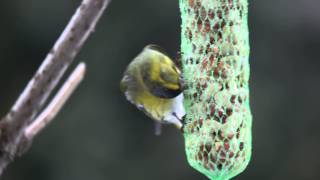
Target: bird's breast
[155, 106]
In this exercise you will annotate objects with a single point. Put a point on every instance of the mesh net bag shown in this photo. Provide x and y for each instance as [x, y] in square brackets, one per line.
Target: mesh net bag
[215, 51]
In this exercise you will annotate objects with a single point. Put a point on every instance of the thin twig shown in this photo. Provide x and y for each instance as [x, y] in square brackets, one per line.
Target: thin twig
[56, 103]
[33, 98]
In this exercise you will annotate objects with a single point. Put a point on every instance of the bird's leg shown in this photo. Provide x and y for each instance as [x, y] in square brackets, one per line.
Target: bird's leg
[175, 115]
[157, 128]
[176, 121]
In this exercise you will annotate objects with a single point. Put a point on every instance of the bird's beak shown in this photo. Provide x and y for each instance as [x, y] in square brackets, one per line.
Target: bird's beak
[181, 83]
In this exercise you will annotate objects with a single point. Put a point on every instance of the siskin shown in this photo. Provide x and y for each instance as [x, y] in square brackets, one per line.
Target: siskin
[153, 83]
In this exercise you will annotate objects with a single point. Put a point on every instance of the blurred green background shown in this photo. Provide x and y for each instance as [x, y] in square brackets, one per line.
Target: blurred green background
[100, 136]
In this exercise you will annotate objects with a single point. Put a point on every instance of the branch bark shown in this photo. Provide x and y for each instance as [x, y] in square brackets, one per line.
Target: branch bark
[12, 127]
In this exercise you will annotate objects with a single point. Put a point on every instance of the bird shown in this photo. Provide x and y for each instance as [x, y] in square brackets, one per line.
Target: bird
[154, 84]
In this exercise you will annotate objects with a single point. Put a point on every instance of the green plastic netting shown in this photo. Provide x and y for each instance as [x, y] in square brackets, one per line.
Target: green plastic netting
[215, 63]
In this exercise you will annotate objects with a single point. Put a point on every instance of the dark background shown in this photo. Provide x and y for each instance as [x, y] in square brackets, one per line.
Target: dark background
[99, 135]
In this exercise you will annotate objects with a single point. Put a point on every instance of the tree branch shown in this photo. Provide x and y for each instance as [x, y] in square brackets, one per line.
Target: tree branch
[32, 99]
[49, 113]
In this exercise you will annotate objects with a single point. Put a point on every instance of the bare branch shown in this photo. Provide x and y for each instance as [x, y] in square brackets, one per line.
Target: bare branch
[57, 103]
[32, 100]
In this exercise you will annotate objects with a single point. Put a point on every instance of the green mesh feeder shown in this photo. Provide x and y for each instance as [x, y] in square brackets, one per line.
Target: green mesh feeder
[215, 64]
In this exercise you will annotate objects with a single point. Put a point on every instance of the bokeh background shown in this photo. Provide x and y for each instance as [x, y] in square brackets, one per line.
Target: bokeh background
[99, 135]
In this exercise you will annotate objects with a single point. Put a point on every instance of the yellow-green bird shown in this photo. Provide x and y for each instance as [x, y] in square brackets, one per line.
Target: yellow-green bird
[153, 83]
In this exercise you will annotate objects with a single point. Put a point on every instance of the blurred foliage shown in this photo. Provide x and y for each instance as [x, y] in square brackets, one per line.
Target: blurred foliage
[99, 135]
